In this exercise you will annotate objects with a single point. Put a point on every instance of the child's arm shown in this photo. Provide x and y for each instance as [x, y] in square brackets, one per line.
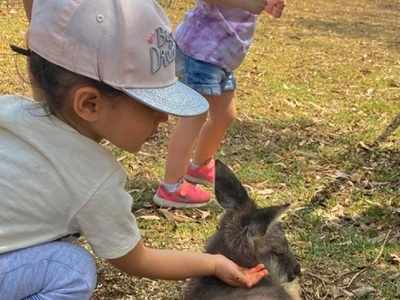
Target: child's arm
[253, 6]
[28, 8]
[179, 265]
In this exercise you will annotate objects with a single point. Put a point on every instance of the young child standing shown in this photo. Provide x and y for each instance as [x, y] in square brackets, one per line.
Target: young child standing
[213, 40]
[100, 70]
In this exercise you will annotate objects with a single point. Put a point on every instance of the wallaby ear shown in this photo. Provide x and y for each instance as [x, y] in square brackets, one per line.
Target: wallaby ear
[228, 190]
[265, 217]
[277, 212]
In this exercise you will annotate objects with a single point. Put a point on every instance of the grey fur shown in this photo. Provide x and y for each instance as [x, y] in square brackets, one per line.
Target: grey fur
[248, 235]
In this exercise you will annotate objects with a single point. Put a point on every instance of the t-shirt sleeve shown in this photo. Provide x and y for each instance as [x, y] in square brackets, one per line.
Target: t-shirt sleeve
[106, 219]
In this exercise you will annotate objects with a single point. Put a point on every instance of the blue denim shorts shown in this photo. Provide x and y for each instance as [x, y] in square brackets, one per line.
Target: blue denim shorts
[205, 78]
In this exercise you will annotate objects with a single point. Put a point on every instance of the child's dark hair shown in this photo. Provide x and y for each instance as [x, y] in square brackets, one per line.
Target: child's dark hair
[55, 82]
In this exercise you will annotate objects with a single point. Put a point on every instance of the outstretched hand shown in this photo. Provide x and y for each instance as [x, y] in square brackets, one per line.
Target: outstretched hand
[275, 7]
[232, 274]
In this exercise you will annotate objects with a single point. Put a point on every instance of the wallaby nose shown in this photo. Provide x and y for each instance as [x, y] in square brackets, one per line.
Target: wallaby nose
[297, 270]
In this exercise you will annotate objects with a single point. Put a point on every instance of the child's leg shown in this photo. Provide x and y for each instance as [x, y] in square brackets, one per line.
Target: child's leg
[221, 114]
[175, 192]
[180, 147]
[52, 271]
[207, 79]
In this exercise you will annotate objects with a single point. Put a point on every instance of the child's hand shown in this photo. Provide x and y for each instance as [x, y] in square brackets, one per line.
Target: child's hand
[275, 7]
[253, 6]
[232, 274]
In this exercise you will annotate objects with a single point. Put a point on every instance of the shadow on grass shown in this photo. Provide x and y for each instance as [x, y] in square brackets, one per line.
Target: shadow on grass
[367, 25]
[281, 144]
[287, 148]
[383, 161]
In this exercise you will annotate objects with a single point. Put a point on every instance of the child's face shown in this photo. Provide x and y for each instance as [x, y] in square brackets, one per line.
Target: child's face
[128, 124]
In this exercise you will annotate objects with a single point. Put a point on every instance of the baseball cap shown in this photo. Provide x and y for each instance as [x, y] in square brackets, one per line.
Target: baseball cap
[126, 44]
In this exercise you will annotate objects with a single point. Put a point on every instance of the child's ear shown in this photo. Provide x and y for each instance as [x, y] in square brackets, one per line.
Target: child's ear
[87, 103]
[229, 192]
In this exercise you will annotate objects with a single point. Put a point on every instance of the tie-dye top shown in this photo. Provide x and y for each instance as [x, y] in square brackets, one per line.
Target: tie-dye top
[216, 34]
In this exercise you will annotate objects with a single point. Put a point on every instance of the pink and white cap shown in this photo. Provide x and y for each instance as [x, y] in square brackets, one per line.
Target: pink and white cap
[126, 44]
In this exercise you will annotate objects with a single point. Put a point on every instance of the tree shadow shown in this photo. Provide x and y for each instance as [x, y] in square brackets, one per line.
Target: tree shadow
[289, 147]
[282, 144]
[382, 160]
[378, 24]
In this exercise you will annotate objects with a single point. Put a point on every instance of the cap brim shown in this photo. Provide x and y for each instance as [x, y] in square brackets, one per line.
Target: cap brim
[177, 99]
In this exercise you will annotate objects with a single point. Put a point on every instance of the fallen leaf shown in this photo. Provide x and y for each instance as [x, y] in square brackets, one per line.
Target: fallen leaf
[342, 175]
[174, 217]
[395, 259]
[370, 92]
[204, 214]
[394, 83]
[265, 192]
[363, 291]
[149, 217]
[364, 146]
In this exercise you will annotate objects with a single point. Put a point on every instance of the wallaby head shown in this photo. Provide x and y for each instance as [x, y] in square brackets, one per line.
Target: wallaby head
[250, 235]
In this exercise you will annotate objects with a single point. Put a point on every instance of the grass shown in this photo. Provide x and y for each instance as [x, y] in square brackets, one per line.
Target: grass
[317, 89]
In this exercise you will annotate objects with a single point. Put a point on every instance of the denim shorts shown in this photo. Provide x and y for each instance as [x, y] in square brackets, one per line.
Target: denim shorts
[205, 78]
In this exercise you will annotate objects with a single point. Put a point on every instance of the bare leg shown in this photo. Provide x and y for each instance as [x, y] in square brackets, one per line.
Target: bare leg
[221, 114]
[28, 8]
[180, 147]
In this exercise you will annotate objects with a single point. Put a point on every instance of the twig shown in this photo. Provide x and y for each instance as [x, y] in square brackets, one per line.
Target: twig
[356, 275]
[318, 277]
[345, 274]
[119, 159]
[382, 248]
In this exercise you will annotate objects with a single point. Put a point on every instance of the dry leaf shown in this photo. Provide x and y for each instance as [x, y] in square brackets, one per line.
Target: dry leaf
[342, 175]
[395, 259]
[204, 214]
[363, 291]
[266, 192]
[370, 92]
[148, 217]
[174, 217]
[364, 146]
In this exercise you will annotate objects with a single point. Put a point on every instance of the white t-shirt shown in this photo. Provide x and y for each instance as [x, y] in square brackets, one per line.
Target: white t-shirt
[56, 182]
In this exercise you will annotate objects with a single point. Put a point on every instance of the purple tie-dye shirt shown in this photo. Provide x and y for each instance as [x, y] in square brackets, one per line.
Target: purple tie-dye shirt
[217, 35]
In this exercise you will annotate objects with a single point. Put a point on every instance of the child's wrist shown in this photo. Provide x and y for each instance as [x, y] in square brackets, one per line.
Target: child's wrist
[215, 259]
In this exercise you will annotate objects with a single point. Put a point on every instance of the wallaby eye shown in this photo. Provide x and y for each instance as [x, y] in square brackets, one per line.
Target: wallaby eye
[277, 253]
[281, 250]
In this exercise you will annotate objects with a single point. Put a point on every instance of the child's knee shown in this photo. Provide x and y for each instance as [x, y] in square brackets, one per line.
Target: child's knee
[227, 118]
[81, 263]
[231, 115]
[48, 271]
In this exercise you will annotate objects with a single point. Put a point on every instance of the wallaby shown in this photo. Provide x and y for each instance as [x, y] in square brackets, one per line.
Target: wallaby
[248, 235]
